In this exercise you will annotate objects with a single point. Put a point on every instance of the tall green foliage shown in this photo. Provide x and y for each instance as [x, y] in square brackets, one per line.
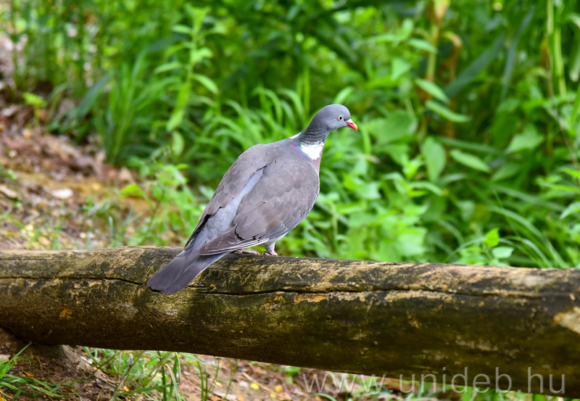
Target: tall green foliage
[468, 110]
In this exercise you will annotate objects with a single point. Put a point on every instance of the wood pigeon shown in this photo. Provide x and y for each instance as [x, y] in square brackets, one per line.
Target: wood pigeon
[267, 192]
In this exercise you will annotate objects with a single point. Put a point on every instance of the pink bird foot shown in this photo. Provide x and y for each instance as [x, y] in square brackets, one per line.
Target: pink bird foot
[272, 253]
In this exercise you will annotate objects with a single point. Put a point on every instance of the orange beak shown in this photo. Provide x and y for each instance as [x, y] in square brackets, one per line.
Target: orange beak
[351, 125]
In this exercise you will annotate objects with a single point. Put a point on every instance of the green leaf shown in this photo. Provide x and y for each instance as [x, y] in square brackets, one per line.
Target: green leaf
[399, 67]
[446, 113]
[183, 95]
[199, 54]
[386, 81]
[428, 186]
[574, 18]
[479, 64]
[384, 37]
[574, 70]
[207, 82]
[399, 153]
[90, 98]
[432, 89]
[477, 147]
[511, 54]
[175, 48]
[529, 139]
[469, 160]
[34, 100]
[573, 173]
[502, 252]
[168, 67]
[178, 144]
[411, 244]
[506, 171]
[492, 238]
[175, 119]
[398, 124]
[434, 154]
[132, 190]
[296, 101]
[466, 209]
[401, 34]
[361, 219]
[369, 191]
[181, 29]
[422, 45]
[179, 110]
[342, 95]
[573, 207]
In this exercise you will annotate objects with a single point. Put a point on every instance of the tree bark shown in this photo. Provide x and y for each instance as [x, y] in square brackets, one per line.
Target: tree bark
[373, 318]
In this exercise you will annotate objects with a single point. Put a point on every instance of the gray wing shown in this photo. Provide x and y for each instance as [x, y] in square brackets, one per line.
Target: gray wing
[232, 183]
[279, 202]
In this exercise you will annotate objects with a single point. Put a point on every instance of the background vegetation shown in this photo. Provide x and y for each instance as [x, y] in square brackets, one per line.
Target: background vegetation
[468, 114]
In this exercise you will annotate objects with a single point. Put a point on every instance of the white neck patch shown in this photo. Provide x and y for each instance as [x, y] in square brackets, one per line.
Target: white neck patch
[312, 150]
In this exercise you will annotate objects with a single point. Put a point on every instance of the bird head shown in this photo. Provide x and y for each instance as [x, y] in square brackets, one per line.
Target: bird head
[332, 117]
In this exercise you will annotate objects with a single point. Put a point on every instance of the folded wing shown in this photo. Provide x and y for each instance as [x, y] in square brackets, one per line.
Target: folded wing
[281, 199]
[232, 183]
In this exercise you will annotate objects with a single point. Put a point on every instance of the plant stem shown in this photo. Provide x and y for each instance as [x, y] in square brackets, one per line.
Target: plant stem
[554, 32]
[432, 60]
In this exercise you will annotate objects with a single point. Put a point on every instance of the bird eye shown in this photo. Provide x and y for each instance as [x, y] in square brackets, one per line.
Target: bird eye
[340, 118]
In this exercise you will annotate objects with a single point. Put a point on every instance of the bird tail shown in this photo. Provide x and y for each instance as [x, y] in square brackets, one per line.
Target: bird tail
[177, 274]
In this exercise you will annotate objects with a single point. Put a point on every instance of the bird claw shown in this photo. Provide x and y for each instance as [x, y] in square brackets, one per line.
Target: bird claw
[273, 253]
[246, 252]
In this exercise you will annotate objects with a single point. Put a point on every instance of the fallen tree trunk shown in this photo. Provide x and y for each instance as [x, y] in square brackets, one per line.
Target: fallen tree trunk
[361, 317]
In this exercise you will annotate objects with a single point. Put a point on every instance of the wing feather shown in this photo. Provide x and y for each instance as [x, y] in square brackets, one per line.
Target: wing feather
[278, 202]
[232, 183]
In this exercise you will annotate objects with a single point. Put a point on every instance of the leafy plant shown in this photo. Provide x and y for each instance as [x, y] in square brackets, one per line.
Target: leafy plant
[26, 386]
[173, 207]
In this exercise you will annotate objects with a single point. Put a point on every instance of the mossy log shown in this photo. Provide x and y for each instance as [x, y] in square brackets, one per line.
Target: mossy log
[351, 316]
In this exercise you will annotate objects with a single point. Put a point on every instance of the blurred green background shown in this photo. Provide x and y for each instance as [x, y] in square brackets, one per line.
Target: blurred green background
[468, 113]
